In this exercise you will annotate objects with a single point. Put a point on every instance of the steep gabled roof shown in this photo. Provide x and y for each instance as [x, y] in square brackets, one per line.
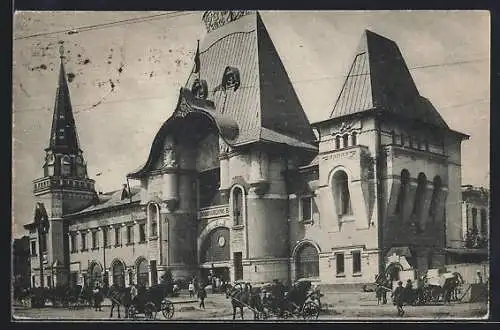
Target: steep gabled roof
[379, 79]
[266, 97]
[63, 135]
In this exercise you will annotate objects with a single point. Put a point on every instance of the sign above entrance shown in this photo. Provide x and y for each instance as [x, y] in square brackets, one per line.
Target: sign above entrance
[214, 212]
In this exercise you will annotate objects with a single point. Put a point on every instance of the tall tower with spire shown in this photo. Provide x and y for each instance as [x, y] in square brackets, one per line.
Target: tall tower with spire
[65, 186]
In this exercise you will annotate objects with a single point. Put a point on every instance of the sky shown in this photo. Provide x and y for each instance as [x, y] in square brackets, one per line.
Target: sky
[125, 70]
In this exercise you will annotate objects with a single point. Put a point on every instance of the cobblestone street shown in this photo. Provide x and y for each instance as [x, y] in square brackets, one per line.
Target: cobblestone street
[335, 306]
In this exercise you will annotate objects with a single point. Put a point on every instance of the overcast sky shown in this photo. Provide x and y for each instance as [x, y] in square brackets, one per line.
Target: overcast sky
[125, 79]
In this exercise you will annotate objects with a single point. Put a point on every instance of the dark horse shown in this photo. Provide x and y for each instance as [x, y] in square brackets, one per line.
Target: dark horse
[119, 297]
[244, 296]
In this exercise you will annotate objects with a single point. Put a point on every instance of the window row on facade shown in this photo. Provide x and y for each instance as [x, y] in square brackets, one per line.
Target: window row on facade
[412, 142]
[419, 198]
[346, 140]
[101, 237]
[74, 183]
[307, 262]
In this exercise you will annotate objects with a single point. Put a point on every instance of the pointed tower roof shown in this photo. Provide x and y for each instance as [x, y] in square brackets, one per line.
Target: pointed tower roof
[265, 106]
[63, 135]
[379, 79]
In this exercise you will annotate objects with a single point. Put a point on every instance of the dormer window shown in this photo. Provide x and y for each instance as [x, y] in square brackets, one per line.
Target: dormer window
[231, 78]
[60, 133]
[200, 89]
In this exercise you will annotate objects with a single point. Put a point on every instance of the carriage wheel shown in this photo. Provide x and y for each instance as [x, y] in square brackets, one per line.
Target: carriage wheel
[310, 311]
[150, 311]
[132, 312]
[287, 314]
[167, 308]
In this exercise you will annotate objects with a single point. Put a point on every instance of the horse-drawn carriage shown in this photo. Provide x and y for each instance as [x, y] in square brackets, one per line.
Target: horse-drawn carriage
[271, 300]
[444, 287]
[299, 302]
[150, 301]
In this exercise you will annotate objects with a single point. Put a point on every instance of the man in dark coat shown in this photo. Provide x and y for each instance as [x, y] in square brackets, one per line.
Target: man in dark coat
[202, 294]
[397, 298]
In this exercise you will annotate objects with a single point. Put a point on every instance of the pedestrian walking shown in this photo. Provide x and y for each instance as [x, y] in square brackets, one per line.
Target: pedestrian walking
[202, 294]
[133, 293]
[98, 297]
[397, 298]
[191, 289]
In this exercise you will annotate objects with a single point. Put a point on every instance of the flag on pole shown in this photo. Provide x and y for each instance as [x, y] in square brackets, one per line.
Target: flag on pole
[197, 59]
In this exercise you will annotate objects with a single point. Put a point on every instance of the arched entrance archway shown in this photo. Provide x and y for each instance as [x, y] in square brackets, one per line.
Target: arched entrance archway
[95, 274]
[215, 254]
[118, 271]
[307, 261]
[142, 272]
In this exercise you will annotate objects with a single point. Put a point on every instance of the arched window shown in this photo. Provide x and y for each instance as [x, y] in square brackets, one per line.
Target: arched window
[405, 179]
[435, 194]
[345, 141]
[237, 205]
[95, 274]
[307, 262]
[65, 165]
[153, 219]
[354, 138]
[419, 195]
[337, 142]
[118, 270]
[484, 222]
[142, 272]
[341, 193]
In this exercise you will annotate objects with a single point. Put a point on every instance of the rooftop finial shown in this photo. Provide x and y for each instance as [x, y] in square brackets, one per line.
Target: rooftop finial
[61, 51]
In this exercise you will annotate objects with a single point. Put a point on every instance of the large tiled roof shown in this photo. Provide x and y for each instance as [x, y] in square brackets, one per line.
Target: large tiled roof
[63, 120]
[110, 200]
[379, 79]
[266, 97]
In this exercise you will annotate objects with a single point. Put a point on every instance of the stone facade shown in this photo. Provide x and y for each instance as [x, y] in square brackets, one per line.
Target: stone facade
[247, 191]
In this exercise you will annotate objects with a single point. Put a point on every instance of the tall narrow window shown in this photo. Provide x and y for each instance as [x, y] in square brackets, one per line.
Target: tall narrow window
[405, 179]
[118, 241]
[95, 240]
[403, 140]
[341, 194]
[130, 234]
[237, 206]
[354, 137]
[484, 222]
[356, 262]
[337, 142]
[394, 137]
[339, 257]
[435, 195]
[306, 207]
[73, 243]
[153, 220]
[142, 232]
[105, 238]
[474, 218]
[345, 141]
[419, 195]
[33, 248]
[84, 241]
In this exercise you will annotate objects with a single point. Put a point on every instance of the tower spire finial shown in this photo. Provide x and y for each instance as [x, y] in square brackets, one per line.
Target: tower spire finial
[61, 51]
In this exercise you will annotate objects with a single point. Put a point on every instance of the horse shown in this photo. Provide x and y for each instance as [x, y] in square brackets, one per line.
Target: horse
[245, 297]
[119, 297]
[381, 294]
